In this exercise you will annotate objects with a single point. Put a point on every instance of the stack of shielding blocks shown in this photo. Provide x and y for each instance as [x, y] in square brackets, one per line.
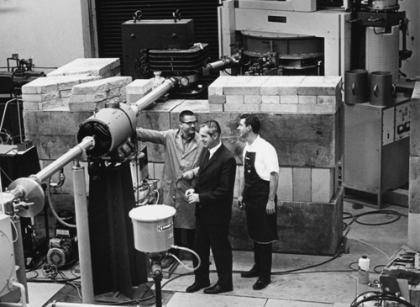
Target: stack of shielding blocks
[414, 179]
[301, 117]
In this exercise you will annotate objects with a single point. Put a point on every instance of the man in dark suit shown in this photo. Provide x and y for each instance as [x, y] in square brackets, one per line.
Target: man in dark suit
[213, 198]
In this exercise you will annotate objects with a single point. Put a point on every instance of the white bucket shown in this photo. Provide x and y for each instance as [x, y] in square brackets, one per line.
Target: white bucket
[153, 228]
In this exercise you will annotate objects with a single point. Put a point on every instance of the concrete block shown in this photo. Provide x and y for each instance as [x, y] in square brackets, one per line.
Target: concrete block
[58, 103]
[415, 126]
[302, 184]
[215, 89]
[32, 97]
[52, 147]
[31, 106]
[230, 107]
[289, 99]
[310, 228]
[252, 99]
[244, 85]
[50, 123]
[216, 107]
[285, 186]
[103, 67]
[217, 99]
[235, 99]
[88, 98]
[413, 230]
[271, 108]
[307, 99]
[414, 185]
[319, 85]
[289, 85]
[45, 85]
[87, 106]
[322, 184]
[304, 140]
[132, 98]
[139, 86]
[39, 85]
[316, 109]
[65, 93]
[281, 85]
[50, 96]
[279, 108]
[101, 85]
[270, 99]
[326, 100]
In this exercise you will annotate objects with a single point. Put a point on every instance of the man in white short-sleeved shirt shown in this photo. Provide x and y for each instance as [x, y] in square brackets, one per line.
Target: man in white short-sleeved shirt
[259, 187]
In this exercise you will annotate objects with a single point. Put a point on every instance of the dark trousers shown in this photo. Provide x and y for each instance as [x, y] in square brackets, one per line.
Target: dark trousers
[216, 238]
[263, 259]
[184, 237]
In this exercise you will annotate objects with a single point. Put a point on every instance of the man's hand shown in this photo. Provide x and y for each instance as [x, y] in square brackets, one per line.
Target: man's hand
[193, 198]
[241, 203]
[271, 207]
[189, 175]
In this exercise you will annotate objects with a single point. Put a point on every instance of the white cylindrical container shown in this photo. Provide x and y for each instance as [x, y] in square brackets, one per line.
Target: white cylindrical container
[364, 263]
[153, 228]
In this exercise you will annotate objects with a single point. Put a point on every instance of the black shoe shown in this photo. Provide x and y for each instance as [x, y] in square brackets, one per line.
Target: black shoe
[261, 284]
[217, 289]
[197, 286]
[251, 273]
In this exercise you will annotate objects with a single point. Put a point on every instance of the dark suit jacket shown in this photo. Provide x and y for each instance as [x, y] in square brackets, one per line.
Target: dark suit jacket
[215, 183]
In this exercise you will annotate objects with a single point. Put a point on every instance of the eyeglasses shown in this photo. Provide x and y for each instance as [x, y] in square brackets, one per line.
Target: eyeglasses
[190, 123]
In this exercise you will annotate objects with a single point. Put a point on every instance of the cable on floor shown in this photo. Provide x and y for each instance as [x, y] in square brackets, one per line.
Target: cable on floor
[355, 217]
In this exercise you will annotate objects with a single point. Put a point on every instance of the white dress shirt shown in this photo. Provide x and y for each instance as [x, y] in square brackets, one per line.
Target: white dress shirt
[214, 149]
[266, 160]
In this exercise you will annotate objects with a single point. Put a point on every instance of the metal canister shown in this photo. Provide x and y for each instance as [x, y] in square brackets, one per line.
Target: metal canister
[356, 88]
[381, 88]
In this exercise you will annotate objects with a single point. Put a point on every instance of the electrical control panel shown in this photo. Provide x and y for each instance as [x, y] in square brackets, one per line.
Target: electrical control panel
[7, 258]
[388, 126]
[396, 123]
[402, 121]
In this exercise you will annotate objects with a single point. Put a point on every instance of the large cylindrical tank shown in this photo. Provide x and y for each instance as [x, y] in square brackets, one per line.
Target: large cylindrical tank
[110, 127]
[382, 50]
[153, 228]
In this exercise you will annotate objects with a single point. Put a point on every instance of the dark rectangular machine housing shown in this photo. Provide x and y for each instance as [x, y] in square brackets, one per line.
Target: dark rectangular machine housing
[142, 35]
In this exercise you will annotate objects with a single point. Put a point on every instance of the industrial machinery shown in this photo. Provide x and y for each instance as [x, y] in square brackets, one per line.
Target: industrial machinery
[377, 26]
[167, 46]
[376, 135]
[286, 37]
[108, 134]
[62, 248]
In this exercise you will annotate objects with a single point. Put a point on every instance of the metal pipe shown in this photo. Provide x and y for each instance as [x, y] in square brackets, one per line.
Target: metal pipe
[82, 224]
[19, 256]
[155, 94]
[87, 143]
[22, 292]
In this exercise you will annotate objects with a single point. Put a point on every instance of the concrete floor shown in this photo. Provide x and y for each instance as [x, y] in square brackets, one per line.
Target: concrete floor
[332, 284]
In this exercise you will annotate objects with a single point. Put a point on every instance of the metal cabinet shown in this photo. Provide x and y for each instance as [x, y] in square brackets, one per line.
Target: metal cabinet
[376, 149]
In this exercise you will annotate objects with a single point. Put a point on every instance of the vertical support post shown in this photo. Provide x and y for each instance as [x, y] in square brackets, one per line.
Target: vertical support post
[83, 237]
[20, 258]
